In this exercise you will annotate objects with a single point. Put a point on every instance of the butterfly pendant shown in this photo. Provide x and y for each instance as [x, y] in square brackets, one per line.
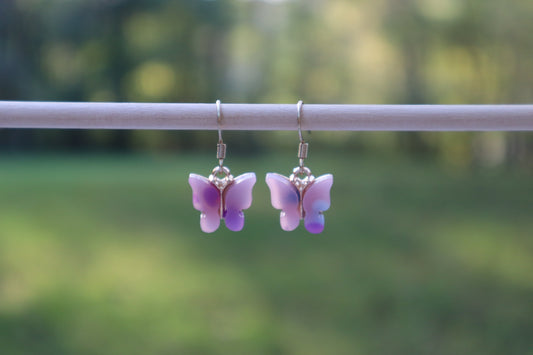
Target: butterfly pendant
[221, 196]
[300, 196]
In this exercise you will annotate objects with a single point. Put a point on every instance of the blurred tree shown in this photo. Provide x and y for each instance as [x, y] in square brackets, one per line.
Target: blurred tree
[341, 51]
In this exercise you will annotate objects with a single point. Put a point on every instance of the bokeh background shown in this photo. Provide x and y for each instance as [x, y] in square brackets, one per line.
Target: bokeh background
[428, 246]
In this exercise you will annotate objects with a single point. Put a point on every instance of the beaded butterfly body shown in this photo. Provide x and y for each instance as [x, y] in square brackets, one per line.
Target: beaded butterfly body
[222, 198]
[300, 198]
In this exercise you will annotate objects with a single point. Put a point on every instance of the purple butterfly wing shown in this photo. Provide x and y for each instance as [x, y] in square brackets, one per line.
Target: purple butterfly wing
[206, 199]
[316, 200]
[285, 197]
[238, 197]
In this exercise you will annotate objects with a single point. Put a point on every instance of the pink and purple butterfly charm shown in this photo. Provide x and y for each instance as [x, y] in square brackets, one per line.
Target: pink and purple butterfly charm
[300, 196]
[221, 196]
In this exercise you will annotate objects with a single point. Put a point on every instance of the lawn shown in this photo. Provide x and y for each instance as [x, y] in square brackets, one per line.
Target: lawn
[104, 255]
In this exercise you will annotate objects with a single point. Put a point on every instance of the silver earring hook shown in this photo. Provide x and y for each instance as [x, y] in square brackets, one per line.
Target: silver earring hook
[303, 148]
[221, 147]
[299, 107]
[219, 119]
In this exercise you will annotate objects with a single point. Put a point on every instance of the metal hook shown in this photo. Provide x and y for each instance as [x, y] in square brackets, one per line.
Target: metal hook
[219, 119]
[221, 147]
[299, 107]
[303, 148]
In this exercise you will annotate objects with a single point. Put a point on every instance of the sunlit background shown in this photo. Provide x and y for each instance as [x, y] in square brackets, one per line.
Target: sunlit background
[428, 246]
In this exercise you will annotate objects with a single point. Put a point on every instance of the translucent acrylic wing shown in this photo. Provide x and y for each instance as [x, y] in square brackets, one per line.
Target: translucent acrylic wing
[285, 197]
[206, 199]
[316, 200]
[238, 197]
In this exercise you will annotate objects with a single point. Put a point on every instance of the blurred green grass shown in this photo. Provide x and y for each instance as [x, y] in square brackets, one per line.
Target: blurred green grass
[104, 255]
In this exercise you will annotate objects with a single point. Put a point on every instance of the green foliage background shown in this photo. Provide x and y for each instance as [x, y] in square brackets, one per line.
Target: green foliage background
[428, 244]
[105, 256]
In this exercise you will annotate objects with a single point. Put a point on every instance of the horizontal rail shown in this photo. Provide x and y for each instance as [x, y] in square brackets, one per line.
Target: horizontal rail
[93, 115]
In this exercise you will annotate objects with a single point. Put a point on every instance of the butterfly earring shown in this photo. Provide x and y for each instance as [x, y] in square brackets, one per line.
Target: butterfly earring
[301, 195]
[221, 196]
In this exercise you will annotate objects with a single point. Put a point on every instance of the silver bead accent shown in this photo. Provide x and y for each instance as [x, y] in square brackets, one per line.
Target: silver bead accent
[221, 151]
[303, 149]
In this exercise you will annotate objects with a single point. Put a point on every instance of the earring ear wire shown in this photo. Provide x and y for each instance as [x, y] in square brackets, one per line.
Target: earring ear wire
[303, 147]
[221, 147]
